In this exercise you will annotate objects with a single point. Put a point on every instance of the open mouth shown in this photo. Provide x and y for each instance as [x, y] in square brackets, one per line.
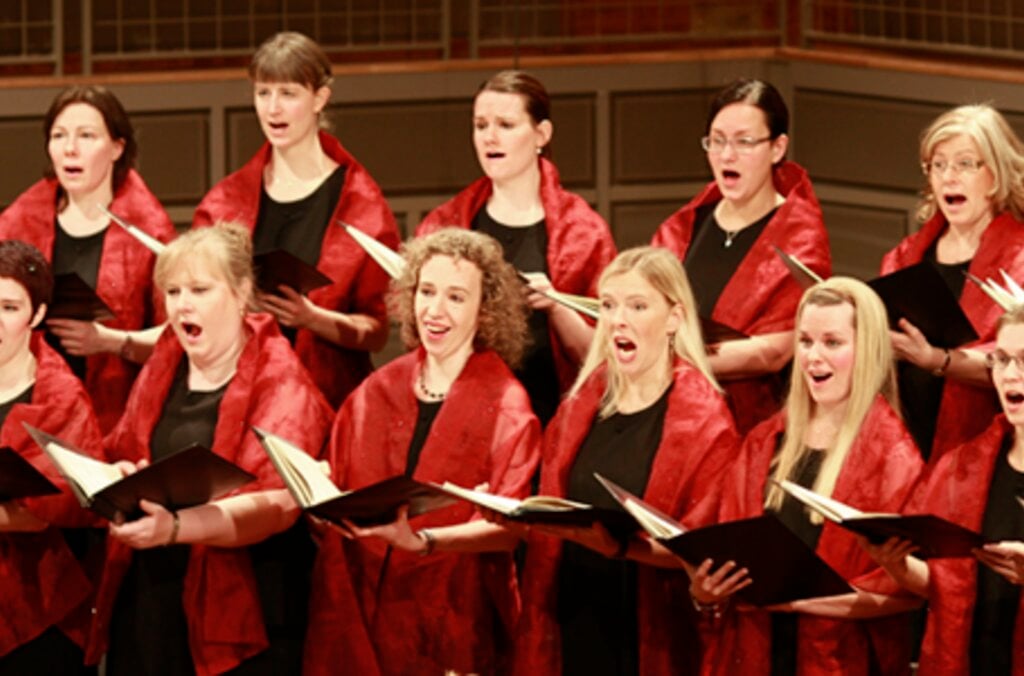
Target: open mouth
[820, 377]
[954, 200]
[625, 345]
[495, 155]
[730, 174]
[1014, 397]
[72, 171]
[435, 332]
[278, 126]
[191, 330]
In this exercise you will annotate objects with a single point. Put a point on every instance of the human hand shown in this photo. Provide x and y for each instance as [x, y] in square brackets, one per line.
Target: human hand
[153, 530]
[289, 307]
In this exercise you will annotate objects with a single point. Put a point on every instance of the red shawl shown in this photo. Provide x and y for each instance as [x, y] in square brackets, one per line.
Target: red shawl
[879, 473]
[430, 613]
[271, 390]
[580, 244]
[124, 281]
[762, 296]
[966, 410]
[43, 583]
[359, 283]
[698, 443]
[957, 489]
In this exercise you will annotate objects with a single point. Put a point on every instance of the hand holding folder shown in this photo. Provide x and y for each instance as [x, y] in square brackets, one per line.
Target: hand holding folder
[781, 567]
[307, 480]
[189, 477]
[279, 268]
[934, 537]
[547, 510]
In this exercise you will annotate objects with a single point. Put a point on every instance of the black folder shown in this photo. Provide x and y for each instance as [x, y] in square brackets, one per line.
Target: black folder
[19, 479]
[74, 299]
[378, 503]
[280, 268]
[935, 537]
[189, 477]
[919, 294]
[782, 568]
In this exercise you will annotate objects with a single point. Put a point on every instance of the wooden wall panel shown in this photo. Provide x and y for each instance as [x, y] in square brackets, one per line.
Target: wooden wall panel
[633, 224]
[860, 235]
[24, 156]
[173, 154]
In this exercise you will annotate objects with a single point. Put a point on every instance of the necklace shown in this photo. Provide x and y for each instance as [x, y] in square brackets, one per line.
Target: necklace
[730, 235]
[432, 396]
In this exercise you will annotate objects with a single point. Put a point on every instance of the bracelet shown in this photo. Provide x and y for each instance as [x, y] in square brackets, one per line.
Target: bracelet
[941, 371]
[126, 348]
[175, 527]
[428, 540]
[712, 609]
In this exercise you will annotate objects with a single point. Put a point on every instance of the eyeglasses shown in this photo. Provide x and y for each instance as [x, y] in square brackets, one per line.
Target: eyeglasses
[744, 145]
[964, 165]
[1000, 361]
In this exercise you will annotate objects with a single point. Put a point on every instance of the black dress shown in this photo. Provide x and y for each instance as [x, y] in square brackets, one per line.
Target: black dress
[149, 632]
[79, 255]
[795, 516]
[995, 610]
[52, 652]
[597, 596]
[921, 390]
[526, 249]
[297, 227]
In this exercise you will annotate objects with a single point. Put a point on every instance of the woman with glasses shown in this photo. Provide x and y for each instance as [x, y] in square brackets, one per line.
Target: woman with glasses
[973, 200]
[545, 231]
[975, 620]
[726, 237]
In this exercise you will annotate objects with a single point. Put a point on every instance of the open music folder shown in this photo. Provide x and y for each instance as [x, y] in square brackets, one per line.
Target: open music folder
[935, 537]
[781, 567]
[19, 479]
[189, 477]
[307, 480]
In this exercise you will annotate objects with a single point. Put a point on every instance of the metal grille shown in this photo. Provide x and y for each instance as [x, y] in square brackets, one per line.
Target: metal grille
[982, 27]
[27, 29]
[552, 23]
[196, 28]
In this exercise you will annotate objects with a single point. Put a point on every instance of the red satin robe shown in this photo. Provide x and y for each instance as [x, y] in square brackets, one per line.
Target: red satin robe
[698, 443]
[124, 281]
[878, 476]
[966, 410]
[580, 244]
[271, 390]
[43, 584]
[762, 295]
[957, 489]
[447, 610]
[359, 283]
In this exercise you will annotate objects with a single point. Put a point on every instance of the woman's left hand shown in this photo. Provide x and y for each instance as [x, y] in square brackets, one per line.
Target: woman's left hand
[1006, 558]
[399, 534]
[289, 307]
[152, 530]
[911, 345]
[83, 338]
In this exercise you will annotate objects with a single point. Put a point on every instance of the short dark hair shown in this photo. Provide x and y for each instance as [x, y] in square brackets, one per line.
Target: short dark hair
[756, 93]
[119, 126]
[27, 266]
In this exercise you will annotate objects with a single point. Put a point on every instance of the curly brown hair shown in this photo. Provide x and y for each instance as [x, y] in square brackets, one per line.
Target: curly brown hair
[502, 321]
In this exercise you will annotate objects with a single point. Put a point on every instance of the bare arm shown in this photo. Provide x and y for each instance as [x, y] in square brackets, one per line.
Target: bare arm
[236, 521]
[353, 331]
[754, 356]
[85, 338]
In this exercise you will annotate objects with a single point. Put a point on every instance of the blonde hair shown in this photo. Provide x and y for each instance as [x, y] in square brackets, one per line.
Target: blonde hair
[225, 247]
[874, 373]
[501, 323]
[1001, 151]
[1014, 315]
[662, 270]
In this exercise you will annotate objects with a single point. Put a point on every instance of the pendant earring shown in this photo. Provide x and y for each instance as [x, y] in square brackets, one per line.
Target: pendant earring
[540, 150]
